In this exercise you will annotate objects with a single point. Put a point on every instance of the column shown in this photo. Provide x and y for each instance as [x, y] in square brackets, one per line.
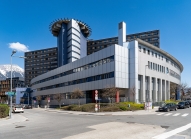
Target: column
[155, 90]
[117, 97]
[150, 88]
[160, 90]
[167, 90]
[164, 90]
[142, 88]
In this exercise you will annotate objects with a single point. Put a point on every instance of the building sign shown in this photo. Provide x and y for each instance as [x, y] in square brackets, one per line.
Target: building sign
[174, 74]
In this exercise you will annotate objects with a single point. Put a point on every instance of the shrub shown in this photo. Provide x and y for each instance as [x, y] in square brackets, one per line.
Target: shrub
[110, 109]
[88, 107]
[4, 110]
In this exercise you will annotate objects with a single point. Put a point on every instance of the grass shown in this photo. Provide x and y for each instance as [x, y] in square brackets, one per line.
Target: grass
[105, 107]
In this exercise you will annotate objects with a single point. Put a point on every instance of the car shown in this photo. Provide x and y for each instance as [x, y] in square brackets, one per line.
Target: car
[168, 107]
[189, 101]
[27, 107]
[183, 104]
[17, 109]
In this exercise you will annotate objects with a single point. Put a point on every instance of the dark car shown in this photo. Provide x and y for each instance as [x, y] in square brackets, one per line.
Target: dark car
[168, 107]
[189, 101]
[183, 105]
[27, 107]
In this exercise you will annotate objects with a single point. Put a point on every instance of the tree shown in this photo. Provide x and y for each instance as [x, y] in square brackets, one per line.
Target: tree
[38, 98]
[77, 94]
[110, 92]
[183, 89]
[22, 100]
[173, 88]
[132, 92]
[58, 97]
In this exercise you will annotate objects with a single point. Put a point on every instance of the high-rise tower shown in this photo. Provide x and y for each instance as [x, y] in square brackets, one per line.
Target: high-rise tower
[71, 39]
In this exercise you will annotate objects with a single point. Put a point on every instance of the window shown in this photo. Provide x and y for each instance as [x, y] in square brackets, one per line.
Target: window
[139, 48]
[144, 50]
[156, 55]
[151, 65]
[148, 52]
[148, 64]
[152, 53]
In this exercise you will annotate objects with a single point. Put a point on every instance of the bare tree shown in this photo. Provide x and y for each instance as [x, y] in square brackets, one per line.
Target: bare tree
[22, 100]
[110, 92]
[173, 88]
[183, 89]
[132, 92]
[58, 97]
[38, 98]
[77, 94]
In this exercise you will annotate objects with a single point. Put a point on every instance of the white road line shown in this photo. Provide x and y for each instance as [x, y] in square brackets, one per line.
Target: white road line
[185, 114]
[176, 114]
[167, 114]
[172, 132]
[160, 114]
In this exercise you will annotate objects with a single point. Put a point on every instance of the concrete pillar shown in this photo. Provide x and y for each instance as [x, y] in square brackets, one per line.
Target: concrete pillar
[155, 90]
[142, 88]
[163, 90]
[150, 88]
[160, 90]
[168, 90]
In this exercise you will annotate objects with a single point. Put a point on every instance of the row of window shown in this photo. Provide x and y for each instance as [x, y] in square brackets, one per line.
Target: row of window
[74, 29]
[79, 81]
[127, 37]
[157, 56]
[156, 67]
[73, 46]
[73, 40]
[74, 52]
[85, 67]
[42, 51]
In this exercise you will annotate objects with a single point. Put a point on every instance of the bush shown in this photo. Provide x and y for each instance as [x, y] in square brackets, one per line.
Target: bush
[4, 110]
[110, 109]
[88, 107]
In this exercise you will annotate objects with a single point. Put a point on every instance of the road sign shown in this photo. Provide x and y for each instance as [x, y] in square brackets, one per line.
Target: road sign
[96, 95]
[10, 93]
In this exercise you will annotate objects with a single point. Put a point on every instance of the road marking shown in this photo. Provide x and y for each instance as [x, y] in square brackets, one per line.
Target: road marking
[160, 114]
[176, 114]
[167, 114]
[172, 132]
[185, 114]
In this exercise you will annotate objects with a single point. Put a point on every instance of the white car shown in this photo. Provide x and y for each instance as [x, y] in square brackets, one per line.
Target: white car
[18, 109]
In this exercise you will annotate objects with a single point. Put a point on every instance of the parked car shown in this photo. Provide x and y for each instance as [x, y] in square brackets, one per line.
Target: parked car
[183, 105]
[189, 101]
[168, 107]
[17, 109]
[27, 107]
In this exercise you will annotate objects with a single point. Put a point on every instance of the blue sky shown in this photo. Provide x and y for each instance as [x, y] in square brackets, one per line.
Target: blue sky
[27, 22]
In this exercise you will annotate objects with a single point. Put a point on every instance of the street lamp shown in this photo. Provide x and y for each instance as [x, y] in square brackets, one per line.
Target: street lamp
[147, 83]
[13, 52]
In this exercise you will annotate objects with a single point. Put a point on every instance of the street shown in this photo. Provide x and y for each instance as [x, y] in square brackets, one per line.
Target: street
[42, 124]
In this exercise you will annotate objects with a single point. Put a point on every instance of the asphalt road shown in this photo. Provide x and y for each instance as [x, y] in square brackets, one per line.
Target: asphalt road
[43, 124]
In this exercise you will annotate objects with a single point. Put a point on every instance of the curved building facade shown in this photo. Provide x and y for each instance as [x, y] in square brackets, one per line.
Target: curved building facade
[71, 39]
[143, 71]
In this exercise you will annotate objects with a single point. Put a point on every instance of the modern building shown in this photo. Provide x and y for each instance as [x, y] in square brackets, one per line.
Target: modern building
[152, 37]
[39, 62]
[5, 85]
[129, 65]
[71, 39]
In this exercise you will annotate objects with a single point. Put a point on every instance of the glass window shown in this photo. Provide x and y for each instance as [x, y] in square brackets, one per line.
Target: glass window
[139, 48]
[148, 52]
[144, 50]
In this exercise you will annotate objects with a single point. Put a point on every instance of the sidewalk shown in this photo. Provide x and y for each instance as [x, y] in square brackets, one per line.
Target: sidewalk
[138, 112]
[16, 118]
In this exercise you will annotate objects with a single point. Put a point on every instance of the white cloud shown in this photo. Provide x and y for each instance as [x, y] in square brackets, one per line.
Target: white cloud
[18, 46]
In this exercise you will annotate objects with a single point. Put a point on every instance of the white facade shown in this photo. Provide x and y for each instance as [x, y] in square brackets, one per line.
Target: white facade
[137, 67]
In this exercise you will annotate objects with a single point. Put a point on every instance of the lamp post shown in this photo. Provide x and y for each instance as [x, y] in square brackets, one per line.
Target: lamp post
[146, 93]
[13, 52]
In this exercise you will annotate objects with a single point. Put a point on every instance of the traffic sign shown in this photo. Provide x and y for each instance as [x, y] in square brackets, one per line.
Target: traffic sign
[10, 93]
[96, 95]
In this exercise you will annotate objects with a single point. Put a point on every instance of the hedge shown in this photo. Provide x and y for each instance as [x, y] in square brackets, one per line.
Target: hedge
[4, 110]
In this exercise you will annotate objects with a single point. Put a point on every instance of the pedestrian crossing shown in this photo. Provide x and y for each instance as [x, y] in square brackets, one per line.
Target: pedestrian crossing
[173, 114]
